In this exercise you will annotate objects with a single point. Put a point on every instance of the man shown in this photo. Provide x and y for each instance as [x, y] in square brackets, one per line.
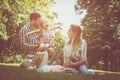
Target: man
[32, 41]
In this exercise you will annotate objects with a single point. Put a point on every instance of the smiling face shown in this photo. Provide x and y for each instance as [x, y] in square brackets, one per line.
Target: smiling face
[71, 34]
[45, 25]
[36, 23]
[74, 31]
[35, 20]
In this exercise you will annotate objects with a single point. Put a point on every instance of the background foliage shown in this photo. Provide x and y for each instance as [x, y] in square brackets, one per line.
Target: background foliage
[102, 32]
[101, 29]
[13, 15]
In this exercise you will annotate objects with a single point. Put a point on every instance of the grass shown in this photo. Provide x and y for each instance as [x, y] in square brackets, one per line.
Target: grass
[13, 72]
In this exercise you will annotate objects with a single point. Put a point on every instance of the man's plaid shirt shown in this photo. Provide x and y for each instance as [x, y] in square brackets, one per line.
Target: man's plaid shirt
[33, 38]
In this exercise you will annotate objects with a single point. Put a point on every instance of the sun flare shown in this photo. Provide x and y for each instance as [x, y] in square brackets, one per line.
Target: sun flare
[66, 13]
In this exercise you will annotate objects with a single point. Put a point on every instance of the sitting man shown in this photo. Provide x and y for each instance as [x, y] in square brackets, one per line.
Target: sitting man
[31, 42]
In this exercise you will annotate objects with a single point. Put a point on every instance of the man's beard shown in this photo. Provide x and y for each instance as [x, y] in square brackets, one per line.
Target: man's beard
[37, 26]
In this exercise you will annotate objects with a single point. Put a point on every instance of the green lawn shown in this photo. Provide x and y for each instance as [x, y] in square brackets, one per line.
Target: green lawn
[13, 72]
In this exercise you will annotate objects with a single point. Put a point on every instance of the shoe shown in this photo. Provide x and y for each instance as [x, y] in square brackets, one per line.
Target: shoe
[30, 68]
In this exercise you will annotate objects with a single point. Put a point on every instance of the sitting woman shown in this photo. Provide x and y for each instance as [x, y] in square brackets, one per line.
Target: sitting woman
[74, 51]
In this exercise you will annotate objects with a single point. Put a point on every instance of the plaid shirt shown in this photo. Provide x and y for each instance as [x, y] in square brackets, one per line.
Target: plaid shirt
[30, 39]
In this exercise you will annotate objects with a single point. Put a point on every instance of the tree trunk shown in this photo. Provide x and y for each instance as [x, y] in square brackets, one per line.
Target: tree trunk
[105, 58]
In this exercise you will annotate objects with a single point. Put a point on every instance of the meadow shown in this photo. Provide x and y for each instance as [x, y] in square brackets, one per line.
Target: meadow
[14, 72]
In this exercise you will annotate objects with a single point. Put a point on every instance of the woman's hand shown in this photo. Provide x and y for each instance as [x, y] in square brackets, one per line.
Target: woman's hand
[70, 64]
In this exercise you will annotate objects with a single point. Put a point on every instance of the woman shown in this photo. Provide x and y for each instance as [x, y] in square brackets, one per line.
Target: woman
[74, 51]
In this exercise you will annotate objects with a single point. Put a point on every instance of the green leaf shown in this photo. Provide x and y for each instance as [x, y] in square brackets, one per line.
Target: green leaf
[6, 5]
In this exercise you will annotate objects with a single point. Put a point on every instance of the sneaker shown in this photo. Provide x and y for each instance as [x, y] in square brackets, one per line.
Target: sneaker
[30, 68]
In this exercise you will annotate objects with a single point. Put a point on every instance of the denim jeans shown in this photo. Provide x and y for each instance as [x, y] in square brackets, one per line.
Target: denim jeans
[82, 70]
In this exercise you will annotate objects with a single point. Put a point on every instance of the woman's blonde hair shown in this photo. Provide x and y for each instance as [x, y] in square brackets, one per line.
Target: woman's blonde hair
[77, 39]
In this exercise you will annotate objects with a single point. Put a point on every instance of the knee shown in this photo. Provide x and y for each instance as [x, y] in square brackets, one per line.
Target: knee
[45, 53]
[83, 69]
[38, 55]
[51, 49]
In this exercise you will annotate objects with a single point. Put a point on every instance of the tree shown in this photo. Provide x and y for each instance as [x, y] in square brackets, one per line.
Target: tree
[101, 30]
[13, 15]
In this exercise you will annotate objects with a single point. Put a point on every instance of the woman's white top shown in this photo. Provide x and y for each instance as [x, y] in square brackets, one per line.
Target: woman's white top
[79, 54]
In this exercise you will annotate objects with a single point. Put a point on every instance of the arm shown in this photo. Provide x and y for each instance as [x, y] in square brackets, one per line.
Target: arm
[60, 54]
[32, 45]
[22, 33]
[55, 27]
[33, 31]
[75, 64]
[84, 50]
